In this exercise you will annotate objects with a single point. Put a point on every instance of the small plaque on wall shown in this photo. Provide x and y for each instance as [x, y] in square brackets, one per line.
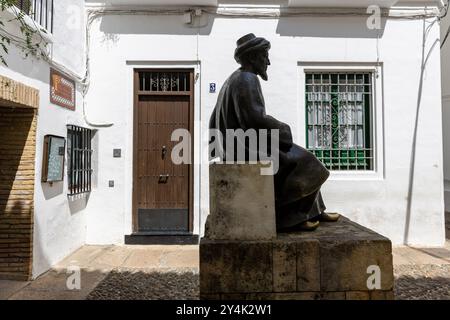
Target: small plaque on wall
[53, 158]
[62, 90]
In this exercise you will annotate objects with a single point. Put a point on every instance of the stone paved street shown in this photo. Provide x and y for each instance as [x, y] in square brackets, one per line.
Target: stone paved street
[423, 273]
[422, 282]
[171, 272]
[147, 286]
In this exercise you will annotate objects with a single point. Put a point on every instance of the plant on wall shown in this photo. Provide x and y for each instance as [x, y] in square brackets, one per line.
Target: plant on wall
[20, 9]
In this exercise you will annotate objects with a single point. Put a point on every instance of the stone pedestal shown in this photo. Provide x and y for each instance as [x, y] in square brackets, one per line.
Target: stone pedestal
[242, 203]
[333, 262]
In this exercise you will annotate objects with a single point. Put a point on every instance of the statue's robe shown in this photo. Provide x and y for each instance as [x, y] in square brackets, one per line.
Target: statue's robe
[240, 105]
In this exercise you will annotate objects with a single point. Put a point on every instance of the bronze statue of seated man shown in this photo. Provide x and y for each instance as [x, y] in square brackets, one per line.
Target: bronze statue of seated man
[240, 105]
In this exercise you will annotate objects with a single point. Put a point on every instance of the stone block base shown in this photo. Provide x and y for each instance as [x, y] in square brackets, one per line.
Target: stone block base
[340, 260]
[242, 203]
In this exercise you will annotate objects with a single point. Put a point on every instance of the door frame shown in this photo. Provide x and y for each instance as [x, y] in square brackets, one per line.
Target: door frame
[136, 94]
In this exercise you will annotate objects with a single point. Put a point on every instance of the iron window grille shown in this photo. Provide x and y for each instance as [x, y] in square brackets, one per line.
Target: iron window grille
[41, 11]
[79, 148]
[339, 119]
[164, 81]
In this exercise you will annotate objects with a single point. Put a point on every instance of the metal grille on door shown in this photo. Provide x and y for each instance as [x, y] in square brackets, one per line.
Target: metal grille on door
[164, 81]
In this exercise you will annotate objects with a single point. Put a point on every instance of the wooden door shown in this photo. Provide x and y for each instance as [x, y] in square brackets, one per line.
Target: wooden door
[162, 189]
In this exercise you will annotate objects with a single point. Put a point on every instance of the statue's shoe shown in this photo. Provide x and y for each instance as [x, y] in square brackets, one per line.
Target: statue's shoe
[329, 217]
[308, 225]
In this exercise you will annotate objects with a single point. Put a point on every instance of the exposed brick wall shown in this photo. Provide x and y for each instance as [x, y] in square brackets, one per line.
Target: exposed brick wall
[17, 156]
[13, 93]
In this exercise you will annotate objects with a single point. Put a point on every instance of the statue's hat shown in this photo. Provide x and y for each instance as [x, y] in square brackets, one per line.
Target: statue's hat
[248, 43]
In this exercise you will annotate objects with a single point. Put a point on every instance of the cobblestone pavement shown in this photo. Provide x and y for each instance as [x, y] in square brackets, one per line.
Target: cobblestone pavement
[412, 282]
[147, 286]
[422, 282]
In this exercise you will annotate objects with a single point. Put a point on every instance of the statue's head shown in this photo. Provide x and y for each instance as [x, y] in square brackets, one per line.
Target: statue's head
[253, 53]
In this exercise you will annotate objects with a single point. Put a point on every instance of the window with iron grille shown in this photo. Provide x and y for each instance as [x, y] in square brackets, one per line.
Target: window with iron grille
[79, 149]
[339, 119]
[40, 11]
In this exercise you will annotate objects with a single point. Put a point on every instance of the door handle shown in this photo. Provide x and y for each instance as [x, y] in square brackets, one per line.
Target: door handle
[163, 178]
[163, 152]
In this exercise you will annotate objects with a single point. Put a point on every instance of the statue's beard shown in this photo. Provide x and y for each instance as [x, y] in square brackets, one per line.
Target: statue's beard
[263, 75]
[260, 70]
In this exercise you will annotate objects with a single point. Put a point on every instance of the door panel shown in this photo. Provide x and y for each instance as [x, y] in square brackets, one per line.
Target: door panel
[162, 188]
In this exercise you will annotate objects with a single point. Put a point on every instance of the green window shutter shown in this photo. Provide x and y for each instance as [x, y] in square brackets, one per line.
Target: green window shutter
[339, 119]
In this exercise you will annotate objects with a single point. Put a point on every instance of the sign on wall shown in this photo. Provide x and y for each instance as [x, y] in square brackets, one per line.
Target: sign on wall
[53, 158]
[62, 90]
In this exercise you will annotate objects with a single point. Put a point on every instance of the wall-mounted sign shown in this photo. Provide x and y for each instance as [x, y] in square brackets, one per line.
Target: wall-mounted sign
[53, 158]
[62, 90]
[212, 88]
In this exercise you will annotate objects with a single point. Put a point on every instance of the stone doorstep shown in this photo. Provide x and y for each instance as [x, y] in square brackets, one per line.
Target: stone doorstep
[336, 259]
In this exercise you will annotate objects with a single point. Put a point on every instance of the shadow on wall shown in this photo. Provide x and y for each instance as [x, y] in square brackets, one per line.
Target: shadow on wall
[52, 190]
[78, 202]
[31, 67]
[112, 25]
[447, 225]
[425, 55]
[259, 2]
[326, 27]
[300, 26]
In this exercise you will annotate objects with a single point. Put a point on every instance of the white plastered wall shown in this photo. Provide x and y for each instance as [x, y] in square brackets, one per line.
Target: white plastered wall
[405, 203]
[445, 58]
